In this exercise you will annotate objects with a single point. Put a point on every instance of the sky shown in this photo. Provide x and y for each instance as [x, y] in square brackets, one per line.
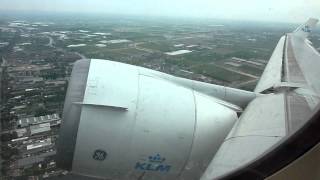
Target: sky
[292, 11]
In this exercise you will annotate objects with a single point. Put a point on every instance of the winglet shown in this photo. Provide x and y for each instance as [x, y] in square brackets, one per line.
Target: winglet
[305, 29]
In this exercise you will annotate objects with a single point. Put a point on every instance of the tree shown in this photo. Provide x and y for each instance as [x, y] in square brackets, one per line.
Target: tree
[6, 137]
[6, 155]
[4, 170]
[41, 111]
[8, 152]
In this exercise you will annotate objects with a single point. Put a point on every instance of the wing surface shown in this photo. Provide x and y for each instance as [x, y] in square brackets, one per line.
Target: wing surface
[290, 90]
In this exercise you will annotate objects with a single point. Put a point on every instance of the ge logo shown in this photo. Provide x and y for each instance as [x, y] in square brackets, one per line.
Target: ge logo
[99, 155]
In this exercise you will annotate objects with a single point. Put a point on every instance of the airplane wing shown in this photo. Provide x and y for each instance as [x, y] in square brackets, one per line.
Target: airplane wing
[290, 90]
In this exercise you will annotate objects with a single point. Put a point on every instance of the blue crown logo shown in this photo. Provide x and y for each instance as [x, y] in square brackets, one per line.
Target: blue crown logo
[156, 159]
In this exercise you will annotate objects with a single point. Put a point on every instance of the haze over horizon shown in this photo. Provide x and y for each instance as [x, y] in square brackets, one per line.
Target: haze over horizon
[295, 11]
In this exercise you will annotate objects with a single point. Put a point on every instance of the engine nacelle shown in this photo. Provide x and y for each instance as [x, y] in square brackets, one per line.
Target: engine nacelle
[121, 122]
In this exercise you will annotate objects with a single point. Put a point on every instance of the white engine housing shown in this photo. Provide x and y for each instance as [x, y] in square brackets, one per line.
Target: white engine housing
[123, 122]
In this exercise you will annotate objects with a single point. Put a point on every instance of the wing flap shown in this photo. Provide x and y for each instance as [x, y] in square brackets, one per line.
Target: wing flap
[260, 127]
[264, 123]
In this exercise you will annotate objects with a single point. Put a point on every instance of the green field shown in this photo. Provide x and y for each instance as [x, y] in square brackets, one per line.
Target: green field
[158, 46]
[219, 73]
[251, 70]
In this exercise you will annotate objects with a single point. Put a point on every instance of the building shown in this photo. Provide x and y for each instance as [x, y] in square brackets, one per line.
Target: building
[24, 122]
[21, 132]
[42, 143]
[39, 128]
[29, 161]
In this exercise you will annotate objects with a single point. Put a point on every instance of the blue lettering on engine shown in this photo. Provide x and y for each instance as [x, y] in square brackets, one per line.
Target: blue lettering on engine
[153, 163]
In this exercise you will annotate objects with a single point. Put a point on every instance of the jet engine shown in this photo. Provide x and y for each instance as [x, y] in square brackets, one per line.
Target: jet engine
[126, 122]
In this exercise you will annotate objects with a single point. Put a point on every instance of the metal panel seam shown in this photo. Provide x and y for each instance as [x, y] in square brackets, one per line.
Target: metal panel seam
[254, 135]
[194, 132]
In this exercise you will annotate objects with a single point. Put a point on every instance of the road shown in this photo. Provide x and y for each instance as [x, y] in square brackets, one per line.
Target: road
[136, 45]
[245, 83]
[51, 44]
[51, 41]
[81, 55]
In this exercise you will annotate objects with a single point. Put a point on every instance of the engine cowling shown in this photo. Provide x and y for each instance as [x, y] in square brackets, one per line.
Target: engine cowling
[121, 122]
